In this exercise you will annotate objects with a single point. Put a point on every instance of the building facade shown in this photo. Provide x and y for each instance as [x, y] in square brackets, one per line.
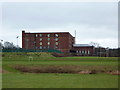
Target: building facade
[84, 49]
[62, 41]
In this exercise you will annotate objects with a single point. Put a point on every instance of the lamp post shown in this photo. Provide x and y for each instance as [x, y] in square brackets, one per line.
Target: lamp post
[17, 41]
[1, 44]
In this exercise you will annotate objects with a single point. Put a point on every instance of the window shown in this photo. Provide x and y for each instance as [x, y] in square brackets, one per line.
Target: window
[82, 52]
[79, 51]
[88, 52]
[40, 43]
[85, 52]
[48, 39]
[40, 35]
[56, 47]
[40, 39]
[56, 43]
[48, 35]
[56, 39]
[40, 47]
[56, 35]
[36, 35]
[48, 43]
[48, 46]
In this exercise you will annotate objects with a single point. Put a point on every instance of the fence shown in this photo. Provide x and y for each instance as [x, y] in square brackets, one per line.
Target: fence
[26, 50]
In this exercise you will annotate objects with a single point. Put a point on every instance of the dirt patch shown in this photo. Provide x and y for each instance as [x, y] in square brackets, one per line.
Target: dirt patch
[62, 69]
[3, 71]
[88, 72]
[53, 69]
[84, 72]
[114, 72]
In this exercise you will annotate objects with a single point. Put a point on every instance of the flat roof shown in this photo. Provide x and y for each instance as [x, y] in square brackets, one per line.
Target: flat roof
[81, 45]
[46, 32]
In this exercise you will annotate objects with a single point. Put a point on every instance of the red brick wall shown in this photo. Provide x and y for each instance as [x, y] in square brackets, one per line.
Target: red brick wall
[65, 41]
[85, 49]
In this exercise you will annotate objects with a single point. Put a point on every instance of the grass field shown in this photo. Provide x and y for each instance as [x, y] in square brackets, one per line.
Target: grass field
[16, 79]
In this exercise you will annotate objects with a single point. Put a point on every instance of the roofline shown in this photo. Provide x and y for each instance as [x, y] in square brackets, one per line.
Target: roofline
[83, 46]
[46, 32]
[87, 45]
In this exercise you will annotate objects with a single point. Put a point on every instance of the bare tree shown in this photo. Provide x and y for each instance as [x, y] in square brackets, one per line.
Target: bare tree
[9, 45]
[94, 44]
[97, 47]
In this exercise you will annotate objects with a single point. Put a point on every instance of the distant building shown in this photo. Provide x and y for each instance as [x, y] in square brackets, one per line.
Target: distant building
[62, 41]
[84, 49]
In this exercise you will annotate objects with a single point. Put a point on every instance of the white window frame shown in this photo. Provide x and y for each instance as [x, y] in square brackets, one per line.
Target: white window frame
[48, 39]
[88, 52]
[36, 35]
[40, 43]
[40, 39]
[82, 51]
[56, 43]
[40, 47]
[56, 39]
[79, 51]
[56, 35]
[40, 35]
[48, 35]
[48, 43]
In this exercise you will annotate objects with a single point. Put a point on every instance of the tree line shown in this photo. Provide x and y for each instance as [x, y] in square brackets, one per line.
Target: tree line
[8, 45]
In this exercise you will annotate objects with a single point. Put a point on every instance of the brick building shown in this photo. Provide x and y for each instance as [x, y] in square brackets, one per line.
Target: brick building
[62, 41]
[84, 49]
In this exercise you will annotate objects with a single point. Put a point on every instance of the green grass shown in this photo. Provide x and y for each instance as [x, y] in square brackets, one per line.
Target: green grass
[16, 79]
[59, 81]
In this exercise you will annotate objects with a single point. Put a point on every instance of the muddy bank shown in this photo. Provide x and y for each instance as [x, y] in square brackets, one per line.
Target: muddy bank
[61, 69]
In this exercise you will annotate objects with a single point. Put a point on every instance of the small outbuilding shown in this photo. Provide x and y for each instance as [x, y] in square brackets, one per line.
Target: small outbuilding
[84, 49]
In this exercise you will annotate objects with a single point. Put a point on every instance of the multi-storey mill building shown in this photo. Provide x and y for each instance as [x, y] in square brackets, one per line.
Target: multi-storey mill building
[62, 41]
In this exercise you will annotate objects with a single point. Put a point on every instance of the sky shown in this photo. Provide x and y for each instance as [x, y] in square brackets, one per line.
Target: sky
[93, 21]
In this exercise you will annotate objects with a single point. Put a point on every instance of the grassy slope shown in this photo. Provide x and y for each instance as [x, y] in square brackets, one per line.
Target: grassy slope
[16, 79]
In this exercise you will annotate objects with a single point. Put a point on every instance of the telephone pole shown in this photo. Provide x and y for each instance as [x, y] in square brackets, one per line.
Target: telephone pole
[17, 41]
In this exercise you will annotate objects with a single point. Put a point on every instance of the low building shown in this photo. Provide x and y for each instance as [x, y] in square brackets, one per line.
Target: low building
[84, 49]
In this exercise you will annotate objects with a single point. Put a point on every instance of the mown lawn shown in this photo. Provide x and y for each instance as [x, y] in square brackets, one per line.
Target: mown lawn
[16, 79]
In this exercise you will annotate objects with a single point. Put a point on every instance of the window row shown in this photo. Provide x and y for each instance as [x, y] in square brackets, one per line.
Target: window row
[48, 35]
[47, 47]
[56, 39]
[56, 43]
[83, 52]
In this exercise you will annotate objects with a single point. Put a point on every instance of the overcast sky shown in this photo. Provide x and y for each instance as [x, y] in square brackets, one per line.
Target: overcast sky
[93, 21]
